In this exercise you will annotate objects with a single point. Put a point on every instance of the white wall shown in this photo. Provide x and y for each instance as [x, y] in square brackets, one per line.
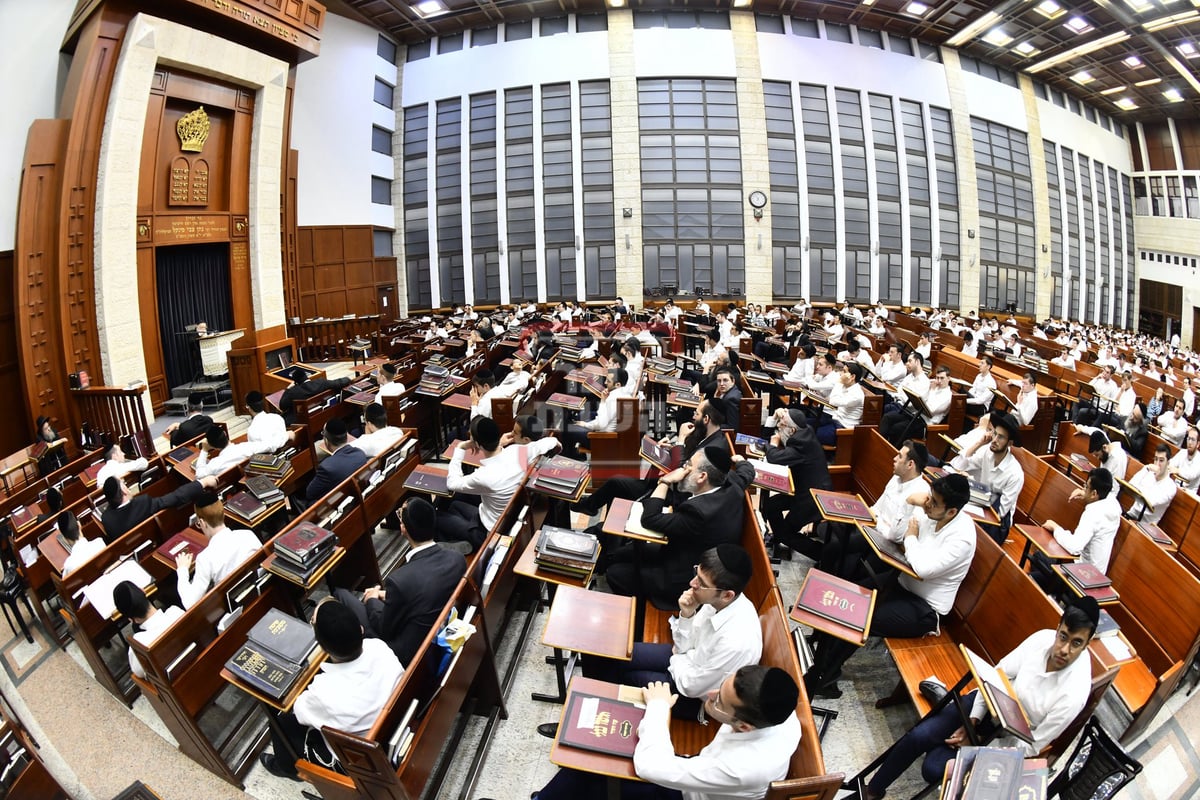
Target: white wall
[34, 72]
[333, 111]
[1068, 129]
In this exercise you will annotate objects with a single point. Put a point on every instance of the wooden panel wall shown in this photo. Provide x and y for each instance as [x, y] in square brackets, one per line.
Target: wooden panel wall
[1159, 149]
[17, 430]
[337, 272]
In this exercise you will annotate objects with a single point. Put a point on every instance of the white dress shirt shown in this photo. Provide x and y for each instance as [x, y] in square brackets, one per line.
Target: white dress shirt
[230, 456]
[848, 402]
[225, 551]
[1005, 479]
[822, 385]
[1174, 428]
[733, 766]
[349, 696]
[152, 628]
[980, 393]
[390, 389]
[713, 644]
[709, 357]
[1092, 539]
[1051, 699]
[82, 552]
[802, 370]
[483, 406]
[937, 400]
[1159, 493]
[118, 469]
[1188, 468]
[917, 383]
[1126, 400]
[941, 559]
[1026, 407]
[268, 430]
[497, 478]
[892, 511]
[379, 441]
[605, 420]
[891, 371]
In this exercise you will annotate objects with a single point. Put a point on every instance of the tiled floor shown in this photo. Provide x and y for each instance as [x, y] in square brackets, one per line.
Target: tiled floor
[94, 745]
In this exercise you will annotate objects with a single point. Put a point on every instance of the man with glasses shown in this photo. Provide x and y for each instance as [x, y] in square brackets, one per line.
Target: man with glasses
[714, 633]
[756, 708]
[939, 548]
[1048, 677]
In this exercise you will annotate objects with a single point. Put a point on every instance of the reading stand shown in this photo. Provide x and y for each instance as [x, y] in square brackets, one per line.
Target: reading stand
[592, 623]
[611, 766]
[617, 522]
[1044, 541]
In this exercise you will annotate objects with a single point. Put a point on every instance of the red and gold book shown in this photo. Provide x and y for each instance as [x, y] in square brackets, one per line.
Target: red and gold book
[842, 507]
[1085, 575]
[1154, 532]
[567, 401]
[600, 724]
[665, 457]
[835, 599]
[772, 477]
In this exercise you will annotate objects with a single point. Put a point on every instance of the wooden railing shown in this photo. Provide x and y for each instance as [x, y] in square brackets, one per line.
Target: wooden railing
[116, 411]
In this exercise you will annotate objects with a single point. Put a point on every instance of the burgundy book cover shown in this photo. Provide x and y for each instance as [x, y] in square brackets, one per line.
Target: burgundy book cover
[1086, 576]
[613, 728]
[835, 599]
[664, 457]
[1081, 461]
[21, 516]
[564, 469]
[566, 401]
[361, 398]
[187, 540]
[772, 481]
[303, 539]
[246, 505]
[1154, 532]
[837, 505]
[91, 472]
[426, 480]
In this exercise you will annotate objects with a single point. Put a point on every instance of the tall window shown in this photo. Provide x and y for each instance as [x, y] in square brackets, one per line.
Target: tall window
[1006, 230]
[887, 193]
[692, 231]
[1070, 192]
[920, 223]
[822, 226]
[1121, 317]
[855, 196]
[558, 203]
[522, 228]
[947, 191]
[485, 240]
[599, 228]
[416, 206]
[1104, 275]
[786, 252]
[449, 201]
[1087, 301]
[1056, 230]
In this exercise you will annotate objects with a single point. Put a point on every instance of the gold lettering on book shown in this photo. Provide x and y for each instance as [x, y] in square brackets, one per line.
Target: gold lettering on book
[832, 599]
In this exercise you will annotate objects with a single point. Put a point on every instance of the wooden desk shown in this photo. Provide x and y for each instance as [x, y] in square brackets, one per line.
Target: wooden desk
[833, 627]
[53, 551]
[194, 542]
[618, 518]
[592, 623]
[1107, 658]
[589, 760]
[472, 458]
[528, 567]
[286, 702]
[1044, 541]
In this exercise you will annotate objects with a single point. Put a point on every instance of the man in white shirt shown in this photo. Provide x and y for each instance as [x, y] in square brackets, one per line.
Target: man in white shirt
[388, 385]
[756, 709]
[925, 345]
[1048, 677]
[378, 436]
[824, 376]
[891, 367]
[228, 455]
[939, 548]
[1156, 485]
[1092, 540]
[1185, 465]
[1106, 390]
[131, 602]
[1109, 454]
[605, 420]
[914, 380]
[226, 550]
[80, 549]
[266, 429]
[1189, 396]
[500, 473]
[715, 633]
[906, 423]
[483, 390]
[996, 468]
[1025, 409]
[979, 398]
[847, 399]
[117, 466]
[1174, 424]
[833, 328]
[348, 693]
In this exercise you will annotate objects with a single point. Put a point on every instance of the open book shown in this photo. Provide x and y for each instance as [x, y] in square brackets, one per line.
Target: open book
[1001, 700]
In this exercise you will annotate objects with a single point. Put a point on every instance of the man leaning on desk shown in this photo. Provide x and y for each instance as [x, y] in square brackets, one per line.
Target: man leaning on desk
[125, 512]
[756, 708]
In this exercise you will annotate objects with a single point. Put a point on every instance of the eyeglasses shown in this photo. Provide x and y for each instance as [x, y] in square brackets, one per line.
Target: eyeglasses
[700, 581]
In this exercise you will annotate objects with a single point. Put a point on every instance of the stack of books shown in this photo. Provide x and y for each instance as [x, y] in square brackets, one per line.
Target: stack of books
[570, 352]
[435, 384]
[662, 366]
[302, 551]
[269, 464]
[246, 505]
[566, 552]
[264, 489]
[1086, 579]
[561, 477]
[275, 654]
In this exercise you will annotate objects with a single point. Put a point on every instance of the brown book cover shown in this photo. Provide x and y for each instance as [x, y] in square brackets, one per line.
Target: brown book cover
[361, 398]
[567, 401]
[263, 488]
[424, 478]
[246, 505]
[600, 724]
[1154, 532]
[1081, 461]
[883, 545]
[303, 539]
[1085, 575]
[836, 599]
[263, 672]
[995, 775]
[665, 457]
[841, 506]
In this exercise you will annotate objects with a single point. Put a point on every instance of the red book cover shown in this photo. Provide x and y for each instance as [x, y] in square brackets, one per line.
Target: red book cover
[567, 401]
[187, 540]
[303, 539]
[773, 481]
[89, 474]
[561, 468]
[1154, 532]
[361, 398]
[21, 516]
[835, 599]
[664, 457]
[840, 506]
[246, 504]
[683, 399]
[600, 724]
[1085, 575]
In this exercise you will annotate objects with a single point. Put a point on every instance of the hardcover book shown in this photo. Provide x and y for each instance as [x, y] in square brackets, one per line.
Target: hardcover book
[772, 477]
[600, 724]
[263, 488]
[689, 399]
[303, 539]
[246, 505]
[563, 470]
[995, 775]
[1154, 532]
[424, 478]
[21, 516]
[267, 462]
[566, 543]
[92, 471]
[1001, 699]
[186, 541]
[886, 548]
[259, 670]
[1107, 626]
[665, 457]
[836, 599]
[180, 454]
[283, 636]
[567, 401]
[1085, 575]
[842, 507]
[361, 398]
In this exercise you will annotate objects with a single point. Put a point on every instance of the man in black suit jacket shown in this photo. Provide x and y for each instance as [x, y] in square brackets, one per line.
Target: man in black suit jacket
[711, 516]
[724, 386]
[410, 602]
[125, 511]
[341, 463]
[196, 424]
[302, 389]
[795, 446]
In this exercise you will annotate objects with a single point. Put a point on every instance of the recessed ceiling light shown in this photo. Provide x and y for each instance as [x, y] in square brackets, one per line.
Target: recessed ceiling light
[1114, 89]
[1026, 48]
[616, 3]
[997, 37]
[1139, 5]
[1148, 82]
[1125, 104]
[741, 3]
[1188, 49]
[1133, 62]
[427, 8]
[1083, 77]
[916, 9]
[1078, 25]
[1049, 9]
[1173, 95]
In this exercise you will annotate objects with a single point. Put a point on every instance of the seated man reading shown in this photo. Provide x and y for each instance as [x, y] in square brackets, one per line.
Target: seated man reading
[225, 551]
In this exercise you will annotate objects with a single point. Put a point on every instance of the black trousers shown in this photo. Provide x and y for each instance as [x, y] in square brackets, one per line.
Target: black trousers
[288, 737]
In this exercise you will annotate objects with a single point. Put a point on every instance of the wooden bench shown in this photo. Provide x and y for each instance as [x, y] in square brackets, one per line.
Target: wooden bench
[615, 453]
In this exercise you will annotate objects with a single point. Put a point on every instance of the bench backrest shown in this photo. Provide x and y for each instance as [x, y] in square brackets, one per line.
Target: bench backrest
[1035, 473]
[989, 628]
[1159, 591]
